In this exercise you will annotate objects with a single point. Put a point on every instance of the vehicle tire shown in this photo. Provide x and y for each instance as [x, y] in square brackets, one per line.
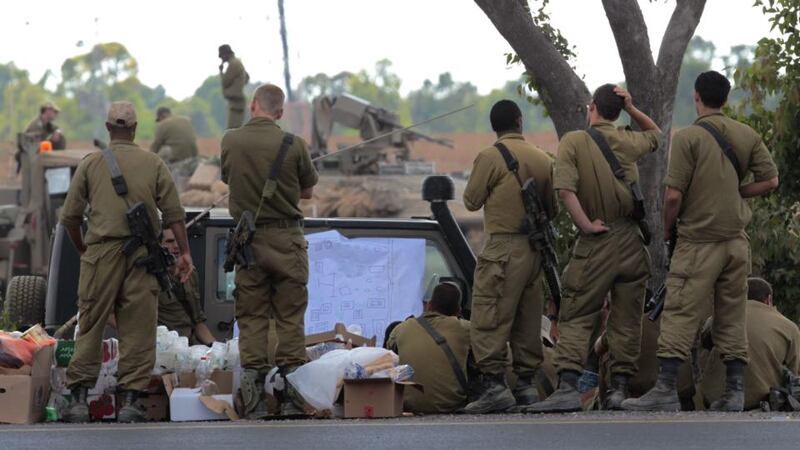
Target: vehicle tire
[25, 300]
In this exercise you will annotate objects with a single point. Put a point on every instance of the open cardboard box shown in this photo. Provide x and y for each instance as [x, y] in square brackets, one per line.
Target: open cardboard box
[24, 391]
[340, 334]
[375, 397]
[187, 404]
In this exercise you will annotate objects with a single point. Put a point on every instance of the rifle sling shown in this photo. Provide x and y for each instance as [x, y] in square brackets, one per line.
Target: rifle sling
[448, 352]
[614, 164]
[511, 162]
[120, 186]
[726, 147]
[287, 141]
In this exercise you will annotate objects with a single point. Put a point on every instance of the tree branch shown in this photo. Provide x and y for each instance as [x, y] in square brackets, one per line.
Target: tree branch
[630, 33]
[564, 94]
[679, 31]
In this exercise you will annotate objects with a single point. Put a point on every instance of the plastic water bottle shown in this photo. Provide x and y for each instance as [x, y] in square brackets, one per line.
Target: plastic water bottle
[203, 371]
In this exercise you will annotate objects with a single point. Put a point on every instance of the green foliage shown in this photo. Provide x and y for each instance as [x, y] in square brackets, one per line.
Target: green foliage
[775, 74]
[6, 324]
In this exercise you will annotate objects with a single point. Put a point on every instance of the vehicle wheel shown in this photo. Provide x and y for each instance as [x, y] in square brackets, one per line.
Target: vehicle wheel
[25, 300]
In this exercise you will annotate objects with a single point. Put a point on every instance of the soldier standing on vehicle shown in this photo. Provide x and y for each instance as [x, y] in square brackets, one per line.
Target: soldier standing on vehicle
[234, 78]
[274, 286]
[45, 129]
[705, 199]
[175, 139]
[507, 297]
[595, 171]
[111, 282]
[181, 310]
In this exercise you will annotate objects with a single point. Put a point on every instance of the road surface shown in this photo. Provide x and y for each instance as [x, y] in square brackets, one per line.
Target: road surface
[586, 431]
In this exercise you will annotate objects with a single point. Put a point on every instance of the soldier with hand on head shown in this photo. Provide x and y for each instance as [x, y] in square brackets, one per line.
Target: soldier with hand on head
[705, 199]
[269, 171]
[111, 281]
[234, 78]
[45, 128]
[507, 296]
[597, 181]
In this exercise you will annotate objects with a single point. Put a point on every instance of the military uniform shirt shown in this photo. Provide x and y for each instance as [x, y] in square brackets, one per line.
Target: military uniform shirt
[247, 157]
[176, 132]
[492, 186]
[581, 168]
[148, 181]
[234, 79]
[712, 208]
[432, 369]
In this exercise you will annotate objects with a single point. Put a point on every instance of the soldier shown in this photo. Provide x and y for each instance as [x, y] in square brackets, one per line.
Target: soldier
[275, 285]
[175, 139]
[234, 79]
[110, 282]
[507, 300]
[45, 129]
[705, 199]
[610, 253]
[181, 311]
[439, 365]
[773, 342]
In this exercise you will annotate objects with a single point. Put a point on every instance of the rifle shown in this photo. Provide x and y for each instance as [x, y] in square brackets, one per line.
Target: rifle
[238, 250]
[655, 304]
[158, 259]
[542, 237]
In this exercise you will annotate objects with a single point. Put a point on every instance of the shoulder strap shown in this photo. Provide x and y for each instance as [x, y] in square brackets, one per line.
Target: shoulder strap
[726, 147]
[448, 352]
[511, 162]
[288, 138]
[608, 154]
[120, 187]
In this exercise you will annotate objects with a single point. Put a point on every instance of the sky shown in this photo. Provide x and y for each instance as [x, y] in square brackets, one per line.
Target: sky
[175, 41]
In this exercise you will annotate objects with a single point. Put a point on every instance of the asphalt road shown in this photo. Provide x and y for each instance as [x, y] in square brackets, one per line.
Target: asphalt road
[587, 431]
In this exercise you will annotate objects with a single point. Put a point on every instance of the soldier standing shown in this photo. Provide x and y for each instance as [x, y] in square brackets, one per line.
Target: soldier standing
[507, 297]
[705, 200]
[44, 127]
[595, 171]
[268, 172]
[234, 78]
[111, 282]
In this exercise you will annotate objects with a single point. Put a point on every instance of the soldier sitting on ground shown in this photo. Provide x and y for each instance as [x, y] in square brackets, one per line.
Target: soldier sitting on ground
[441, 368]
[44, 128]
[773, 342]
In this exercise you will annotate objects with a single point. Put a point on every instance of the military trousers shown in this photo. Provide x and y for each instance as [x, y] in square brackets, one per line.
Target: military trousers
[616, 262]
[110, 283]
[275, 287]
[236, 107]
[700, 273]
[507, 302]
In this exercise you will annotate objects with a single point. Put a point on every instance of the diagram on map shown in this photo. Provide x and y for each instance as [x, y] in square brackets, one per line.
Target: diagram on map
[365, 282]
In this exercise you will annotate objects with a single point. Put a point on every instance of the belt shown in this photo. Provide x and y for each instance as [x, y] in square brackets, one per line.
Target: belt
[280, 223]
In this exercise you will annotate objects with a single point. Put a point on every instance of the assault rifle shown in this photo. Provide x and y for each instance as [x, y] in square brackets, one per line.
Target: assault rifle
[158, 259]
[542, 237]
[238, 249]
[655, 304]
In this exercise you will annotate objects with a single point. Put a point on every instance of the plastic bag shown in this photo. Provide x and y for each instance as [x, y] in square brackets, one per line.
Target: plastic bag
[232, 354]
[315, 352]
[216, 355]
[21, 349]
[399, 373]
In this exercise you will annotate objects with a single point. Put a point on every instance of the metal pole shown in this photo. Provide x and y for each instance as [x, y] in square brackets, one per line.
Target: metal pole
[286, 74]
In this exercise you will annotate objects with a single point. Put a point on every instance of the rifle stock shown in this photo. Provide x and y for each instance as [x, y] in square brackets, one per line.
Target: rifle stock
[542, 238]
[238, 249]
[655, 304]
[158, 259]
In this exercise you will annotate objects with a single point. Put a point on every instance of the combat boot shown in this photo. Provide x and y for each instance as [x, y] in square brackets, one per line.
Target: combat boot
[618, 392]
[131, 411]
[495, 396]
[78, 409]
[254, 405]
[565, 399]
[293, 403]
[525, 392]
[664, 395]
[733, 398]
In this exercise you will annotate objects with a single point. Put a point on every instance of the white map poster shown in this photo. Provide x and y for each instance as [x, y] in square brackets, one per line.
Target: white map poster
[367, 282]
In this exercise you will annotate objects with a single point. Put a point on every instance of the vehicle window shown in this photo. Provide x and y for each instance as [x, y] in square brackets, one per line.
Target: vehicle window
[225, 281]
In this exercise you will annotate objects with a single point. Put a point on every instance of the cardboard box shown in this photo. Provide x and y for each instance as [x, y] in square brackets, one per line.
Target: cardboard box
[187, 404]
[24, 391]
[156, 406]
[374, 397]
[340, 334]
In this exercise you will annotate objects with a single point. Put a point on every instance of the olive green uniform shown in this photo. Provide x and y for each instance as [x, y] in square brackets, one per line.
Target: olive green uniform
[182, 310]
[275, 287]
[507, 297]
[432, 369]
[773, 343]
[712, 258]
[616, 261]
[110, 282]
[234, 80]
[44, 132]
[174, 140]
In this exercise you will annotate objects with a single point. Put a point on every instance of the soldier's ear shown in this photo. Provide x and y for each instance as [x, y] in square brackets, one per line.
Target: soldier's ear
[279, 114]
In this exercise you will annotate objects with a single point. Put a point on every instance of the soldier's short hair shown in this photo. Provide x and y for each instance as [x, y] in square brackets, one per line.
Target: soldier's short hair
[225, 49]
[269, 97]
[446, 299]
[758, 289]
[608, 103]
[504, 116]
[713, 88]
